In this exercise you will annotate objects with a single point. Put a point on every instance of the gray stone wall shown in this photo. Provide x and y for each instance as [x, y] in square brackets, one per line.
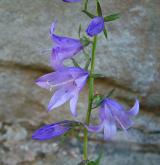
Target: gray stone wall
[130, 60]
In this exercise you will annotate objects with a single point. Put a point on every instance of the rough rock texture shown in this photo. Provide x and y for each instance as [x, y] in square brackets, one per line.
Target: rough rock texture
[129, 59]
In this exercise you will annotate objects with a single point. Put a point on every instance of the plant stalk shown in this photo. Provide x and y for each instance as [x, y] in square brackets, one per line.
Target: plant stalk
[90, 97]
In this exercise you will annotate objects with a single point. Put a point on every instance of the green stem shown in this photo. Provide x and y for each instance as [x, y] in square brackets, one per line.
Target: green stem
[91, 93]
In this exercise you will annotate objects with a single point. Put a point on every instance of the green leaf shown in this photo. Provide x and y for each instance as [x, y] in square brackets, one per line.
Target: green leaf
[96, 101]
[105, 33]
[88, 14]
[99, 10]
[79, 31]
[97, 161]
[91, 162]
[111, 17]
[84, 162]
[85, 41]
[86, 4]
[110, 93]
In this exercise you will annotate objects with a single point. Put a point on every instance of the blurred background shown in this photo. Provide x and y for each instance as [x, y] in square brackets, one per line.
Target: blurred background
[130, 60]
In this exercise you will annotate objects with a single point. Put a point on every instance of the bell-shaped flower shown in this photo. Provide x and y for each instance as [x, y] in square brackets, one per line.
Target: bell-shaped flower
[64, 48]
[113, 115]
[70, 1]
[53, 130]
[67, 82]
[96, 26]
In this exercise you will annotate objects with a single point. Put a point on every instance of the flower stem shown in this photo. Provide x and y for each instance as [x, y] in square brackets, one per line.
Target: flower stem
[91, 93]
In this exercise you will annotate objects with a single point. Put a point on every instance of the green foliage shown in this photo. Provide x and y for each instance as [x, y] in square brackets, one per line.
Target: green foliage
[105, 33]
[111, 17]
[88, 14]
[96, 101]
[91, 162]
[85, 41]
[99, 10]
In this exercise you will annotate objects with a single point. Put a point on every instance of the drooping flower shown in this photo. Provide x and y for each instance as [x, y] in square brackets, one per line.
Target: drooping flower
[64, 48]
[96, 26]
[70, 1]
[50, 131]
[68, 83]
[113, 114]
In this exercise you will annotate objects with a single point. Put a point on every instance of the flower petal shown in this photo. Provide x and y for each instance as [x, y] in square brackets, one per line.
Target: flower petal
[135, 109]
[110, 130]
[50, 131]
[119, 113]
[66, 41]
[55, 59]
[96, 26]
[60, 97]
[59, 54]
[53, 27]
[73, 104]
[54, 79]
[70, 1]
[108, 122]
[80, 82]
[95, 128]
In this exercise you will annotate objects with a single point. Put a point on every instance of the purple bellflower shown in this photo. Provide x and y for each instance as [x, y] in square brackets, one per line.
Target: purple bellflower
[113, 114]
[70, 1]
[96, 26]
[67, 82]
[53, 130]
[64, 48]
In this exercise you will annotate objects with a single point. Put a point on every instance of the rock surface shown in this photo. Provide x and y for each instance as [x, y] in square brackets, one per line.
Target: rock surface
[130, 61]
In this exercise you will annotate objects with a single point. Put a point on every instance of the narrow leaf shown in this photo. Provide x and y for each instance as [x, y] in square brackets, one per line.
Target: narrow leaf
[111, 17]
[97, 100]
[88, 14]
[99, 10]
[79, 31]
[105, 33]
[85, 4]
[85, 41]
[111, 92]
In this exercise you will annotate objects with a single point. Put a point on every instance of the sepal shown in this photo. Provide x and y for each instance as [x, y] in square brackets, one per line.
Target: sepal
[79, 30]
[97, 100]
[85, 41]
[88, 14]
[91, 162]
[105, 33]
[99, 10]
[112, 17]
